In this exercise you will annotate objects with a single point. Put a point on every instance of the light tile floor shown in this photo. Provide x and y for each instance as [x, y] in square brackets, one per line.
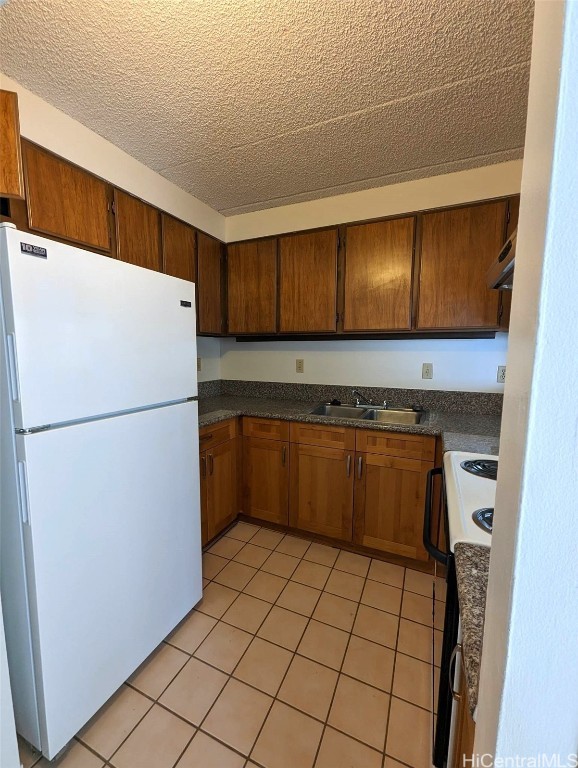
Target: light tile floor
[299, 655]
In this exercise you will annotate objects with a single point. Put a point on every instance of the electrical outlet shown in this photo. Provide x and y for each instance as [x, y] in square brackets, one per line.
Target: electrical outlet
[427, 371]
[199, 365]
[299, 365]
[501, 377]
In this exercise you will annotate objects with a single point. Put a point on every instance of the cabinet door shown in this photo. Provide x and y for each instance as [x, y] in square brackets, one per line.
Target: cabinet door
[266, 479]
[252, 286]
[457, 248]
[308, 282]
[222, 486]
[64, 200]
[378, 270]
[389, 504]
[321, 491]
[178, 248]
[465, 728]
[138, 234]
[11, 181]
[506, 296]
[204, 513]
[209, 290]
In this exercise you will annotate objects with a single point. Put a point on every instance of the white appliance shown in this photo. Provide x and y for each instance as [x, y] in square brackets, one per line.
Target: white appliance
[469, 489]
[466, 493]
[100, 523]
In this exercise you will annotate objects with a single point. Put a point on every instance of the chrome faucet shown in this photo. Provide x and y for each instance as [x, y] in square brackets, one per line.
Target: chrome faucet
[361, 399]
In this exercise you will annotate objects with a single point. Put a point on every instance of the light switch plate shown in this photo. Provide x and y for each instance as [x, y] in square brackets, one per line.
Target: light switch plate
[299, 365]
[199, 365]
[427, 371]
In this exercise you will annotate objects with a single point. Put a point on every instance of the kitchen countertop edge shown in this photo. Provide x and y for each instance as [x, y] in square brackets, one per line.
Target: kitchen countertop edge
[472, 563]
[472, 433]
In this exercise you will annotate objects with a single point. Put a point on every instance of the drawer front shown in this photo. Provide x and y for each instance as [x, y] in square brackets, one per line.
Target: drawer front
[265, 429]
[216, 434]
[405, 446]
[328, 436]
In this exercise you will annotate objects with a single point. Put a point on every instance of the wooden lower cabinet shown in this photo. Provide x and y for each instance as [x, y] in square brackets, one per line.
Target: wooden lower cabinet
[219, 479]
[389, 504]
[266, 479]
[321, 490]
[465, 729]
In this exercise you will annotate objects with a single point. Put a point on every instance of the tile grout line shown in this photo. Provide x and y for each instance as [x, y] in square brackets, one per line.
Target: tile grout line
[294, 653]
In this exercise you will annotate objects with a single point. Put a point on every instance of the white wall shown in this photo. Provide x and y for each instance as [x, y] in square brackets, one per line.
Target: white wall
[459, 364]
[45, 125]
[434, 192]
[528, 702]
[209, 350]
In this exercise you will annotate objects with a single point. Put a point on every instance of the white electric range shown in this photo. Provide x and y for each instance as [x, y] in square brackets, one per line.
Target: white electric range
[470, 492]
[470, 484]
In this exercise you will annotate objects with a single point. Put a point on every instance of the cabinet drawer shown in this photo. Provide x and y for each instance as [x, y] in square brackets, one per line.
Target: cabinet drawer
[216, 434]
[266, 429]
[329, 436]
[407, 446]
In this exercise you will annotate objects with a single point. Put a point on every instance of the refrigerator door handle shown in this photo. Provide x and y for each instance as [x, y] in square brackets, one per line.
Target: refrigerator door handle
[13, 367]
[23, 493]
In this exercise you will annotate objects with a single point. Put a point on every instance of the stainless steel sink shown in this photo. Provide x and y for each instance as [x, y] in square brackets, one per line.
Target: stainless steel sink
[342, 411]
[393, 415]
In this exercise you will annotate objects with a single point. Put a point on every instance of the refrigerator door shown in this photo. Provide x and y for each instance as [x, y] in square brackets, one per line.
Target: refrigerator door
[112, 541]
[88, 335]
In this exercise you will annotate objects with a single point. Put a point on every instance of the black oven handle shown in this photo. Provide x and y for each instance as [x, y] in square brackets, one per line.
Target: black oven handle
[436, 553]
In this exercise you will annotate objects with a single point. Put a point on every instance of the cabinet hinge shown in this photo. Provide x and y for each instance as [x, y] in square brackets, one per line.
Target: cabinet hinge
[113, 208]
[508, 215]
[337, 318]
[500, 312]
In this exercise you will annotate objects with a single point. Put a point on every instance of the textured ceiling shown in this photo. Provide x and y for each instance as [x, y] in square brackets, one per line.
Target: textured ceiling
[248, 104]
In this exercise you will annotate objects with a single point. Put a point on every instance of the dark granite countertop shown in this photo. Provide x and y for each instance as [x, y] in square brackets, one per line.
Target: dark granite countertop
[472, 567]
[471, 432]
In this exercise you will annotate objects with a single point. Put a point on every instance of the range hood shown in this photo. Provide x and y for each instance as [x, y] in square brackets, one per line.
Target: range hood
[501, 273]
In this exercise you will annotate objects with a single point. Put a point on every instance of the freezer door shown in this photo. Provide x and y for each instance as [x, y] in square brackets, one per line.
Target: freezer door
[89, 335]
[113, 553]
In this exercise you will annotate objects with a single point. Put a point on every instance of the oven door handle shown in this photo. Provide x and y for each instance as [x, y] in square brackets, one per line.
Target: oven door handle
[436, 553]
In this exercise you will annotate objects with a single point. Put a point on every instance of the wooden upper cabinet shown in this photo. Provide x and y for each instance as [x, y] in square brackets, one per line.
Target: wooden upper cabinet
[308, 282]
[11, 179]
[457, 248]
[138, 232]
[252, 286]
[64, 200]
[506, 296]
[378, 270]
[178, 248]
[209, 286]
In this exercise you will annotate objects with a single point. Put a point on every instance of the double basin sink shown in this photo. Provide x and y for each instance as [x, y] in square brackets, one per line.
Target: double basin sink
[370, 413]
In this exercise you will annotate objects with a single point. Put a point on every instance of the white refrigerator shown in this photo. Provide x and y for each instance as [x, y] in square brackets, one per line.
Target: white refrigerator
[100, 546]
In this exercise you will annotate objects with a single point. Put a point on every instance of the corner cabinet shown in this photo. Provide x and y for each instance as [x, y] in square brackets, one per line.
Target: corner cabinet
[321, 486]
[219, 472]
[457, 248]
[266, 470]
[378, 275]
[308, 282]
